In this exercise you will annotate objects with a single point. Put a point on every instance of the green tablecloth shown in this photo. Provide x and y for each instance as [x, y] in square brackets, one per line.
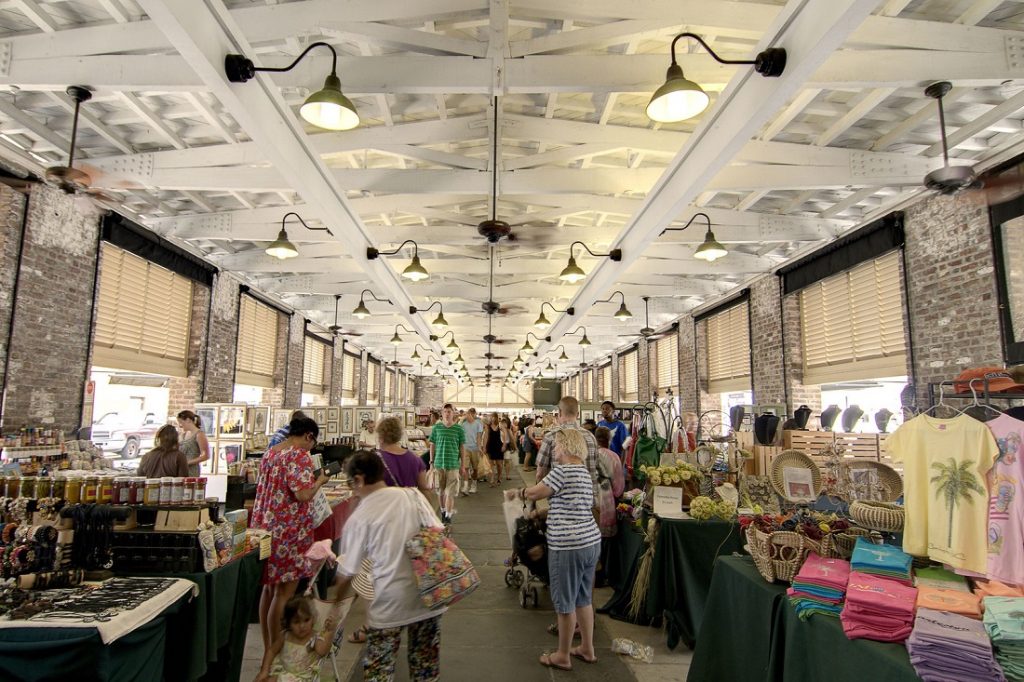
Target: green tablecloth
[684, 556]
[61, 654]
[627, 546]
[735, 639]
[751, 633]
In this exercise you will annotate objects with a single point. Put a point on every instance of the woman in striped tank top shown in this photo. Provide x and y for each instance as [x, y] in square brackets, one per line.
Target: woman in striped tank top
[574, 546]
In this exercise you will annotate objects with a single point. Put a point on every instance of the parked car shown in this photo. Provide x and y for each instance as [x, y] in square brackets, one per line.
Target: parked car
[127, 435]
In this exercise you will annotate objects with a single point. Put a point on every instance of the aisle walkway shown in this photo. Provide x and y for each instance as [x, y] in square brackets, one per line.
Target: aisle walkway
[489, 636]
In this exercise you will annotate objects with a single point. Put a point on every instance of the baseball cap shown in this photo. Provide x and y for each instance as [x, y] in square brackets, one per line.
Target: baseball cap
[999, 380]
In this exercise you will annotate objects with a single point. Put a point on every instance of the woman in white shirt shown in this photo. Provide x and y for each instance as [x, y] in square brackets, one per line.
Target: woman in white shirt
[386, 518]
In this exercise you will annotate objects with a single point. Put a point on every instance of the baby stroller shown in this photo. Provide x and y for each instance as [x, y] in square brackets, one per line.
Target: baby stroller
[322, 556]
[528, 564]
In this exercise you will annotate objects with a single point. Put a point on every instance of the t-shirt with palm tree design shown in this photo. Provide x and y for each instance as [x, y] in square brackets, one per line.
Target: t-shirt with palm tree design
[945, 462]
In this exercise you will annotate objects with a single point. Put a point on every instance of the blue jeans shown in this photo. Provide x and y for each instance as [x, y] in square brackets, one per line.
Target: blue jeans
[571, 574]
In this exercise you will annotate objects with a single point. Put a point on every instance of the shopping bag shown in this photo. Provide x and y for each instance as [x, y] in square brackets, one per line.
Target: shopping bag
[443, 573]
[647, 451]
[320, 508]
[484, 467]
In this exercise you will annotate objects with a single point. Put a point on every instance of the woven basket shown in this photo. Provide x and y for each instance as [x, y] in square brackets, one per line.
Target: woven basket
[878, 515]
[888, 478]
[779, 555]
[840, 545]
[794, 458]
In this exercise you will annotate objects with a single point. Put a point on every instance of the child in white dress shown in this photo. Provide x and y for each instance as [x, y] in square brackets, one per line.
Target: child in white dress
[295, 657]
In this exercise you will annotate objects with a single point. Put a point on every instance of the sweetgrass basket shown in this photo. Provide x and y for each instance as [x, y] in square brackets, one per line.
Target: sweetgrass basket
[779, 555]
[793, 459]
[883, 516]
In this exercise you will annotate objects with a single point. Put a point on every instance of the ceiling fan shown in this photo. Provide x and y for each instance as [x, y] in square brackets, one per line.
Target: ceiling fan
[69, 179]
[647, 331]
[396, 363]
[335, 328]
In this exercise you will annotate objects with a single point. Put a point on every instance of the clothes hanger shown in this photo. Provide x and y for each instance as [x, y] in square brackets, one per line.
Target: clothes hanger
[942, 402]
[977, 404]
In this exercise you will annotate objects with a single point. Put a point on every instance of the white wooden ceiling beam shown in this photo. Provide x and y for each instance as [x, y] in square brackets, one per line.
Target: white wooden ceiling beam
[849, 201]
[603, 34]
[93, 122]
[864, 103]
[37, 15]
[978, 10]
[44, 133]
[134, 103]
[413, 40]
[965, 132]
[116, 11]
[924, 110]
[810, 32]
[202, 31]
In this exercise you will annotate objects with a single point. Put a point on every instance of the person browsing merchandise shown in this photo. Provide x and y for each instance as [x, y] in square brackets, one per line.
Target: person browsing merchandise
[447, 453]
[619, 432]
[474, 430]
[282, 433]
[568, 414]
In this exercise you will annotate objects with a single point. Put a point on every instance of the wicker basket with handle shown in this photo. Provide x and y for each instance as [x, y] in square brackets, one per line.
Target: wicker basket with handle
[779, 555]
[878, 515]
[839, 545]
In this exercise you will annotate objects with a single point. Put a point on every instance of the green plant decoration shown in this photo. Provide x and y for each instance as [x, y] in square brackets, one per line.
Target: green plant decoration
[955, 482]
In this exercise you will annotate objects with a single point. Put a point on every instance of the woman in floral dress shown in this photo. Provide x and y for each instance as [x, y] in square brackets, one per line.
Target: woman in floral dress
[286, 485]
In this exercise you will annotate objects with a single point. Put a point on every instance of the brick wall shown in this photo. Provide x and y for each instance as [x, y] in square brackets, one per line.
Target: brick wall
[429, 392]
[49, 348]
[296, 353]
[643, 369]
[12, 214]
[705, 400]
[768, 375]
[362, 378]
[185, 392]
[687, 365]
[275, 396]
[951, 287]
[335, 377]
[222, 342]
[614, 390]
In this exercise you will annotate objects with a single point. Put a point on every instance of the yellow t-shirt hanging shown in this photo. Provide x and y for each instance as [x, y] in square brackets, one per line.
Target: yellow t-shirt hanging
[945, 462]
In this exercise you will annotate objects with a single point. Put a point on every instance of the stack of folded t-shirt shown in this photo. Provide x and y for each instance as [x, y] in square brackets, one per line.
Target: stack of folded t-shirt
[994, 588]
[964, 603]
[941, 578]
[881, 560]
[947, 646]
[878, 608]
[819, 586]
[1004, 621]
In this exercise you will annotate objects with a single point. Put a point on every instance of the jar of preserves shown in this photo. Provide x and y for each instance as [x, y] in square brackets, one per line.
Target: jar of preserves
[152, 492]
[28, 486]
[166, 485]
[199, 496]
[134, 488]
[105, 491]
[59, 487]
[73, 490]
[44, 487]
[120, 488]
[90, 489]
[13, 487]
[188, 496]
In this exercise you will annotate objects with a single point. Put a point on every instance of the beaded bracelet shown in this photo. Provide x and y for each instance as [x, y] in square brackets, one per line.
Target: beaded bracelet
[7, 534]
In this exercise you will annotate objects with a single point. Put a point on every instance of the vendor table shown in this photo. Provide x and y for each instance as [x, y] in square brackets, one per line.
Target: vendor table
[130, 646]
[684, 557]
[623, 563]
[751, 632]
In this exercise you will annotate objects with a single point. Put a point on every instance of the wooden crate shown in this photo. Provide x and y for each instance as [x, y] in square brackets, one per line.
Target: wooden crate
[763, 456]
[808, 441]
[745, 440]
[859, 445]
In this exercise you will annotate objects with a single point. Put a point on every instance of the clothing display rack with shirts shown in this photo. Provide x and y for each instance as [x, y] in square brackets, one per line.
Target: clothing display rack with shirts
[982, 391]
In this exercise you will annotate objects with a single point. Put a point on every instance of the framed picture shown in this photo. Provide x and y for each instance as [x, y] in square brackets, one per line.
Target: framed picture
[333, 414]
[586, 414]
[347, 420]
[363, 415]
[798, 483]
[332, 429]
[320, 415]
[260, 441]
[208, 420]
[231, 421]
[228, 453]
[280, 419]
[410, 418]
[260, 419]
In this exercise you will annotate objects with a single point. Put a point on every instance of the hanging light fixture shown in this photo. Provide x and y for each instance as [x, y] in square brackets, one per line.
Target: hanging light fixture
[622, 313]
[439, 321]
[361, 311]
[679, 98]
[414, 271]
[451, 344]
[711, 250]
[528, 346]
[584, 341]
[327, 108]
[281, 248]
[542, 321]
[396, 339]
[416, 351]
[573, 273]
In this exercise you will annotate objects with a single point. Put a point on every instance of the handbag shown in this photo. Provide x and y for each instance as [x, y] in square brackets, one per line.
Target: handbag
[483, 467]
[443, 573]
[647, 451]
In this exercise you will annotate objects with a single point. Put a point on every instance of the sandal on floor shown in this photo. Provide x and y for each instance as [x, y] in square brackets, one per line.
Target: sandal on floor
[545, 660]
[575, 653]
[553, 630]
[358, 636]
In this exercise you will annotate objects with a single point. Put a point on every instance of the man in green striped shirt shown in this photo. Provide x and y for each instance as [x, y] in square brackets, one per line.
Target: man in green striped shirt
[447, 451]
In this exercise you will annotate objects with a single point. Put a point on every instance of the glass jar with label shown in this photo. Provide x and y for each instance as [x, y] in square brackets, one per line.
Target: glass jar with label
[90, 489]
[152, 492]
[44, 487]
[59, 487]
[199, 496]
[166, 485]
[73, 490]
[177, 491]
[105, 492]
[28, 486]
[134, 489]
[188, 497]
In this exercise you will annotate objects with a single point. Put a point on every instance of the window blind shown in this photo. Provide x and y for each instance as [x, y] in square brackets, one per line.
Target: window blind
[729, 350]
[373, 381]
[852, 324]
[665, 364]
[389, 387]
[586, 386]
[348, 375]
[143, 316]
[313, 380]
[257, 343]
[410, 396]
[628, 378]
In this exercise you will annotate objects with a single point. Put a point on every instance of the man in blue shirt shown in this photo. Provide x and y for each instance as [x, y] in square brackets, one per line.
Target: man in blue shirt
[282, 433]
[619, 431]
[474, 429]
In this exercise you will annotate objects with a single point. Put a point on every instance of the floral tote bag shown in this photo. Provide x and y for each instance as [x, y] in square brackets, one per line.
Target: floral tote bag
[444, 574]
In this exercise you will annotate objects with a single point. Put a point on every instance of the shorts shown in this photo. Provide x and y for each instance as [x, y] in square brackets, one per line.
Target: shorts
[571, 573]
[448, 482]
[473, 457]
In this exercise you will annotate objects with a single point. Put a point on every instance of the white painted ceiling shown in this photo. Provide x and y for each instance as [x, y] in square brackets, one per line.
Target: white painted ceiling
[780, 165]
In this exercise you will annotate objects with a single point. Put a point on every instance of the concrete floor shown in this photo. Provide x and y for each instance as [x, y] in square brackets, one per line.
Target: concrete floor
[489, 636]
